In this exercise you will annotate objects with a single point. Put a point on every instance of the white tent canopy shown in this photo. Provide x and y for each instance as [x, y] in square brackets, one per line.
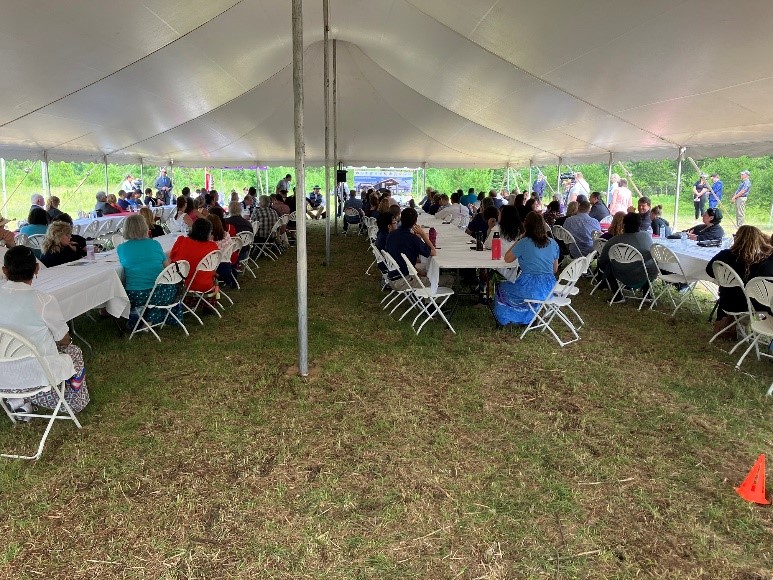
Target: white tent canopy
[460, 83]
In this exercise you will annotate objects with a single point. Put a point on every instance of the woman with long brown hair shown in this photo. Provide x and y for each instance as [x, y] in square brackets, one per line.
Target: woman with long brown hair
[537, 256]
[615, 228]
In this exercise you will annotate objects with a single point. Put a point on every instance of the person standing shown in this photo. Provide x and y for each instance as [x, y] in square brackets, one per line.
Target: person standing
[740, 196]
[284, 184]
[717, 188]
[538, 186]
[700, 192]
[579, 187]
[614, 183]
[621, 198]
[163, 185]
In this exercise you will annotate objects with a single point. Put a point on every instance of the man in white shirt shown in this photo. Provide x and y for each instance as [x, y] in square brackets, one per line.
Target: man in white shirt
[284, 184]
[451, 212]
[580, 187]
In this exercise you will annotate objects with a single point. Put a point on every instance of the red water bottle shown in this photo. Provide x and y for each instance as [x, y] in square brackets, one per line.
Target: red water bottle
[433, 236]
[496, 247]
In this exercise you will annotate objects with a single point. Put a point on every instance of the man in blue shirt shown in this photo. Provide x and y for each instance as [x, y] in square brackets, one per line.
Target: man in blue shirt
[409, 239]
[582, 226]
[353, 203]
[164, 185]
[740, 196]
[122, 202]
[717, 188]
[469, 199]
[538, 186]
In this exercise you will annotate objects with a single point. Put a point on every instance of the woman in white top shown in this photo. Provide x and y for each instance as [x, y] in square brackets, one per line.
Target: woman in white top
[621, 198]
[510, 228]
[38, 318]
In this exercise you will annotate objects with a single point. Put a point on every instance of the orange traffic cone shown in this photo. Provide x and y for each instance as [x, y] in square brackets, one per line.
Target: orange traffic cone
[753, 487]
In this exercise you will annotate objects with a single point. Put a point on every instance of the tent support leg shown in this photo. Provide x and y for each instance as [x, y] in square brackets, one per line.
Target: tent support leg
[678, 186]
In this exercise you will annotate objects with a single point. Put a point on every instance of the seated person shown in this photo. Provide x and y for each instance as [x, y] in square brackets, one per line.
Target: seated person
[58, 247]
[122, 202]
[479, 223]
[631, 275]
[236, 220]
[571, 210]
[148, 200]
[353, 203]
[552, 213]
[537, 256]
[660, 227]
[111, 205]
[751, 255]
[599, 209]
[193, 248]
[37, 317]
[453, 211]
[386, 223]
[582, 226]
[643, 206]
[266, 215]
[222, 238]
[615, 228]
[409, 239]
[143, 259]
[99, 207]
[7, 237]
[132, 200]
[52, 207]
[434, 207]
[509, 227]
[154, 230]
[37, 222]
[710, 228]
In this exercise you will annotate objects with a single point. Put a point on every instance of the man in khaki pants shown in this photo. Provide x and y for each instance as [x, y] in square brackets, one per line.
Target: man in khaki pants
[740, 196]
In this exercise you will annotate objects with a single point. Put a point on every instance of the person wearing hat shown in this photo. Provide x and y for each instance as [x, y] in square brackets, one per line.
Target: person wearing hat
[316, 204]
[717, 188]
[700, 192]
[740, 196]
[6, 236]
[710, 228]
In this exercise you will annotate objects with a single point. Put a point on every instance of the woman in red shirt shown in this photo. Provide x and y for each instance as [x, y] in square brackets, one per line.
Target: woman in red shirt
[192, 248]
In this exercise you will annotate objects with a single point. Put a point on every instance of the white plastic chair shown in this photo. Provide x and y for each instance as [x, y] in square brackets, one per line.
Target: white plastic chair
[627, 254]
[15, 348]
[117, 239]
[561, 234]
[761, 325]
[356, 227]
[174, 274]
[671, 272]
[209, 264]
[225, 258]
[264, 248]
[545, 311]
[726, 277]
[430, 303]
[406, 291]
[34, 241]
[246, 239]
[598, 247]
[90, 231]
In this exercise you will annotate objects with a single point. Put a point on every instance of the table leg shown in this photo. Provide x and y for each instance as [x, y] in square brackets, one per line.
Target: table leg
[71, 324]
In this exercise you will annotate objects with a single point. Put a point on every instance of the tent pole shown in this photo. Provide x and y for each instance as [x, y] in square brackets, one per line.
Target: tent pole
[142, 174]
[335, 125]
[44, 175]
[424, 178]
[258, 182]
[171, 166]
[508, 179]
[107, 183]
[558, 178]
[531, 179]
[609, 176]
[326, 85]
[678, 185]
[300, 172]
[5, 195]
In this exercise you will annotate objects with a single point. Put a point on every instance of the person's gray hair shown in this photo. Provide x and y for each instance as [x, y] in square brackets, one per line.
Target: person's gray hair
[52, 243]
[264, 201]
[101, 196]
[135, 228]
[235, 208]
[37, 199]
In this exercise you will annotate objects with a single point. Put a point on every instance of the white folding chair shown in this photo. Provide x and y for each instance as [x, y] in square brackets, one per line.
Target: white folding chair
[545, 311]
[247, 238]
[117, 239]
[14, 349]
[90, 231]
[35, 241]
[761, 322]
[225, 257]
[379, 261]
[627, 254]
[598, 276]
[671, 272]
[22, 240]
[264, 247]
[352, 213]
[561, 234]
[726, 277]
[406, 291]
[173, 275]
[208, 264]
[429, 302]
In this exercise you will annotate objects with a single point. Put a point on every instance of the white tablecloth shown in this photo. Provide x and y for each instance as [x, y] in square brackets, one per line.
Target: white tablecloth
[81, 223]
[454, 251]
[692, 257]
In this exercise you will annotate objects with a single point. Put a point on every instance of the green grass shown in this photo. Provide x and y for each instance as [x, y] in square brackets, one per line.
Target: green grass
[437, 456]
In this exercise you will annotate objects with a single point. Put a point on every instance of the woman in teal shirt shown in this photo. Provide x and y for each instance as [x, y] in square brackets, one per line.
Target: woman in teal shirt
[37, 222]
[143, 260]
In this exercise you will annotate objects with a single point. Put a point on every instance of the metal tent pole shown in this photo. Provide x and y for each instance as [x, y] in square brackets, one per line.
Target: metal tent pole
[142, 175]
[326, 85]
[44, 175]
[5, 195]
[531, 179]
[558, 178]
[300, 172]
[107, 183]
[678, 185]
[508, 178]
[609, 176]
[335, 124]
[424, 178]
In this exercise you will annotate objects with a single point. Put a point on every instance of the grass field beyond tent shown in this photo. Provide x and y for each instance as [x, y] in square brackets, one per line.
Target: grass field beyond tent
[474, 455]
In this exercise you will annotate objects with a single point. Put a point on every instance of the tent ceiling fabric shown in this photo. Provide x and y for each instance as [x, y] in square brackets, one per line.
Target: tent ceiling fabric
[464, 83]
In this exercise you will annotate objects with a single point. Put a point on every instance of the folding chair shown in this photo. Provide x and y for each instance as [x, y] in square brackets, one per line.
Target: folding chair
[598, 276]
[761, 322]
[117, 239]
[726, 277]
[352, 213]
[379, 260]
[627, 254]
[209, 264]
[671, 272]
[264, 247]
[545, 311]
[431, 303]
[560, 234]
[292, 217]
[22, 240]
[606, 220]
[35, 242]
[173, 275]
[14, 349]
[406, 292]
[225, 257]
[247, 238]
[90, 231]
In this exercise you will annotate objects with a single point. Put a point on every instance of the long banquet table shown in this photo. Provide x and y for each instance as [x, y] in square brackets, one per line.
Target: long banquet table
[692, 257]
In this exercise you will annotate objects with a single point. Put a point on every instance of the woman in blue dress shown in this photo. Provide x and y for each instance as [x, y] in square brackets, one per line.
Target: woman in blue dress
[537, 256]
